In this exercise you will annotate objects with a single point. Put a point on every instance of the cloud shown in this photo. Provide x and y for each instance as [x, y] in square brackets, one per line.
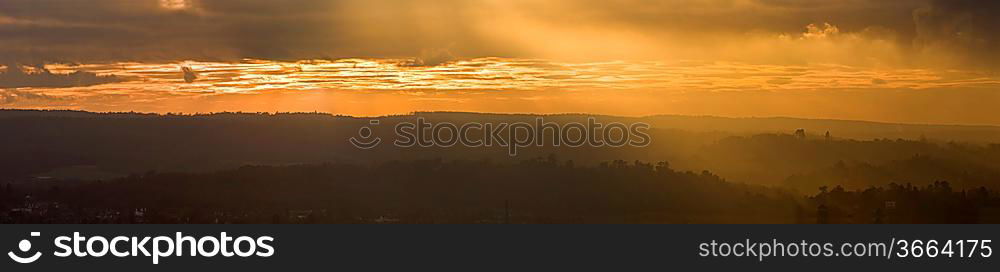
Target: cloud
[971, 27]
[14, 76]
[154, 30]
[431, 58]
[11, 96]
[917, 32]
[189, 74]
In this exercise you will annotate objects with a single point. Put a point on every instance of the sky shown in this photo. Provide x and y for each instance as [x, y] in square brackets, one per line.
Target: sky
[912, 61]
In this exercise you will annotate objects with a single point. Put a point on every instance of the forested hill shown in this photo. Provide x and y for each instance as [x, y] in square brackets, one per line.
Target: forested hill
[849, 129]
[73, 145]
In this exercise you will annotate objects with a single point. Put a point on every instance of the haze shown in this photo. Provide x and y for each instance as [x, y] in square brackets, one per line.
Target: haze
[912, 61]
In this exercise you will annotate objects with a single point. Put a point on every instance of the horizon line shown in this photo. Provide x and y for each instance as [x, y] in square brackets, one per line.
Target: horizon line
[414, 113]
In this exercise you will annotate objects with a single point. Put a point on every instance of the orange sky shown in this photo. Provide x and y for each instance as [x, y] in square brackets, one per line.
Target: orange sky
[919, 61]
[388, 86]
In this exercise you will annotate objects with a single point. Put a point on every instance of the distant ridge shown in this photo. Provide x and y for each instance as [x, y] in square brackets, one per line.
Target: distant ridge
[851, 129]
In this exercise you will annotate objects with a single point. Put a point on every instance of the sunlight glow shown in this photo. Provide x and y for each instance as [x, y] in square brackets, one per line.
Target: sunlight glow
[501, 74]
[395, 86]
[175, 4]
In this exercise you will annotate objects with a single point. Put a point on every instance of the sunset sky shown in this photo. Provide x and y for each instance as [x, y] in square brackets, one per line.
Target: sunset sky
[913, 61]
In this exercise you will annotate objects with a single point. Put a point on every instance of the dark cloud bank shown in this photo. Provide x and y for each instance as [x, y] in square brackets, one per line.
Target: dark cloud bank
[43, 31]
[16, 77]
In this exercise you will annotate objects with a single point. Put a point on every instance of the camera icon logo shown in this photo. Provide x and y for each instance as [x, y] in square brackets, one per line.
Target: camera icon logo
[366, 139]
[25, 247]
